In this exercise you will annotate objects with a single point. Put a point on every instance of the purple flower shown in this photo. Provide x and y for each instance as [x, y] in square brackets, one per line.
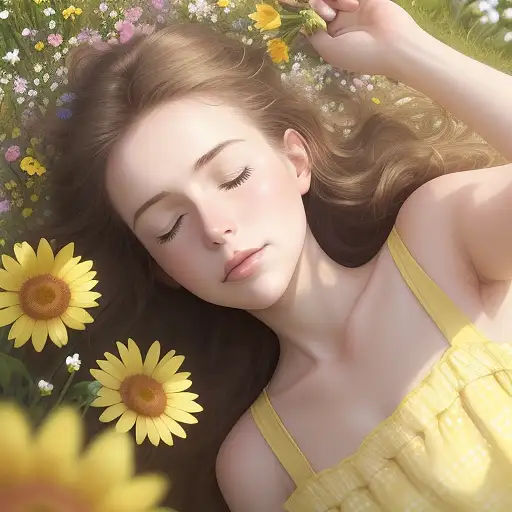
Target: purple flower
[68, 97]
[88, 35]
[13, 153]
[158, 4]
[64, 113]
[20, 85]
[126, 30]
[103, 7]
[132, 15]
[5, 206]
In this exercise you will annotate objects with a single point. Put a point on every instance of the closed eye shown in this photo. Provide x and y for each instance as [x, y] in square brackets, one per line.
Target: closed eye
[243, 176]
[167, 237]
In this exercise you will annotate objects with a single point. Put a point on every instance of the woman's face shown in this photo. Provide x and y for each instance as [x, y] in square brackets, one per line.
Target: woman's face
[217, 207]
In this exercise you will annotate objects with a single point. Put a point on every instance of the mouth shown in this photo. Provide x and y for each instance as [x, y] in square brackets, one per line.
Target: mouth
[242, 264]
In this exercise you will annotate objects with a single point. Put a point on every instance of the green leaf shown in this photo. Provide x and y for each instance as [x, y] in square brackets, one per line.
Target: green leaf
[15, 380]
[83, 393]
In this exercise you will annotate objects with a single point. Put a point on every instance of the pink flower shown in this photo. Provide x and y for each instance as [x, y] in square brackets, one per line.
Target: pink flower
[20, 85]
[5, 206]
[158, 4]
[25, 32]
[55, 40]
[132, 15]
[126, 30]
[13, 153]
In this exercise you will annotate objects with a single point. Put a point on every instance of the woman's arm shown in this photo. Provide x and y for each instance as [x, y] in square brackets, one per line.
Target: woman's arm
[478, 95]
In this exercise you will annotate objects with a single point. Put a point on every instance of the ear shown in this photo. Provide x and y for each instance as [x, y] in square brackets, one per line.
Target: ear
[295, 147]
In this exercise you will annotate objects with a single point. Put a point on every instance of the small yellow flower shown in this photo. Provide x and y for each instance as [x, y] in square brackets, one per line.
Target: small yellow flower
[18, 203]
[13, 184]
[7, 186]
[34, 198]
[32, 166]
[223, 3]
[71, 12]
[266, 17]
[278, 50]
[29, 184]
[2, 242]
[39, 46]
[376, 101]
[16, 132]
[27, 212]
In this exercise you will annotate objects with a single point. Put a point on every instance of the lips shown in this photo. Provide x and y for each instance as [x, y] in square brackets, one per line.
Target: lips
[238, 259]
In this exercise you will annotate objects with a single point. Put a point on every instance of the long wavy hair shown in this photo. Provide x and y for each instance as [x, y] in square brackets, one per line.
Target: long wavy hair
[359, 183]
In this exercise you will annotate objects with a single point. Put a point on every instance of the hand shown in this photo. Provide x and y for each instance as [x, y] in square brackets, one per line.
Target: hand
[362, 36]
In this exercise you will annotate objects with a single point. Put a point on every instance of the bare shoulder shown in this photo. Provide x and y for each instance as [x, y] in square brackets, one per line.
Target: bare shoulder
[250, 477]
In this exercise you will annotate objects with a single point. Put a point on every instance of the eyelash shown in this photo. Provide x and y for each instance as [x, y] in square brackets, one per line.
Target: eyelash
[230, 185]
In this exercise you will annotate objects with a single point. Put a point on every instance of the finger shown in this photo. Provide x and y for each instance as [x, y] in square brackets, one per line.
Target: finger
[344, 5]
[323, 43]
[323, 10]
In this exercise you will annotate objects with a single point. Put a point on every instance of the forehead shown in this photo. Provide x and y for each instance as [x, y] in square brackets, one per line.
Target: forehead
[162, 147]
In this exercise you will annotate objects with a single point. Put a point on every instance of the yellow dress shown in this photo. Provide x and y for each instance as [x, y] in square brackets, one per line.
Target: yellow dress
[447, 447]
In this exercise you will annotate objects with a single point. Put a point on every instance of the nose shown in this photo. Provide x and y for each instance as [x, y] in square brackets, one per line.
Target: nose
[217, 227]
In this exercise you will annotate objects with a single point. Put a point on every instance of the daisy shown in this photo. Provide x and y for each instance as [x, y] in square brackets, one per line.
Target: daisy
[148, 394]
[44, 294]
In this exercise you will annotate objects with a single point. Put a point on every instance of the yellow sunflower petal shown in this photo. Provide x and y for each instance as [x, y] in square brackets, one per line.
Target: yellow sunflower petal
[25, 333]
[165, 371]
[15, 439]
[27, 258]
[9, 282]
[79, 315]
[39, 335]
[176, 387]
[57, 332]
[181, 416]
[85, 287]
[9, 315]
[18, 327]
[173, 426]
[9, 299]
[62, 257]
[116, 363]
[66, 267]
[141, 430]
[153, 436]
[126, 421]
[85, 281]
[56, 453]
[134, 356]
[105, 379]
[107, 397]
[163, 431]
[45, 258]
[71, 322]
[12, 266]
[178, 402]
[85, 296]
[77, 271]
[108, 462]
[125, 357]
[152, 357]
[141, 493]
[113, 412]
[111, 369]
[178, 377]
[167, 357]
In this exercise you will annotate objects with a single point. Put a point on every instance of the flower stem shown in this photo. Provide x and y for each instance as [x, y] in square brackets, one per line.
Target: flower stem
[64, 390]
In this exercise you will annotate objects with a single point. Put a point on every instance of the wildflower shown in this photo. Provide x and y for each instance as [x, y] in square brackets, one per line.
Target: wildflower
[12, 57]
[45, 387]
[49, 11]
[508, 37]
[52, 24]
[45, 293]
[376, 101]
[38, 68]
[4, 14]
[266, 17]
[103, 7]
[64, 113]
[146, 394]
[32, 166]
[39, 46]
[88, 35]
[71, 12]
[34, 198]
[278, 50]
[5, 206]
[73, 363]
[26, 213]
[25, 32]
[223, 3]
[158, 4]
[16, 132]
[13, 153]
[57, 56]
[126, 30]
[133, 14]
[50, 471]
[67, 97]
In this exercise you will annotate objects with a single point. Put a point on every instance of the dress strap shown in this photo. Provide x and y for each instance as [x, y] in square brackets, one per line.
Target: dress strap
[451, 321]
[280, 441]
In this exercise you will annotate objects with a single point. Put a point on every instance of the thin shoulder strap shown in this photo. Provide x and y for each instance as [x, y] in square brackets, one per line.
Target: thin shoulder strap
[280, 440]
[452, 322]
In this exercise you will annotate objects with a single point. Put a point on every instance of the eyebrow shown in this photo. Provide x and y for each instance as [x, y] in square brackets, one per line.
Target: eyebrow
[201, 162]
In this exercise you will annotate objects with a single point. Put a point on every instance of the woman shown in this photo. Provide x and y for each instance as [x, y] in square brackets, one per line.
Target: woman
[187, 160]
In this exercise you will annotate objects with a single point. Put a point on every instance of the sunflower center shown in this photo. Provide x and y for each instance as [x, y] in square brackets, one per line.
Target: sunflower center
[44, 297]
[41, 497]
[143, 395]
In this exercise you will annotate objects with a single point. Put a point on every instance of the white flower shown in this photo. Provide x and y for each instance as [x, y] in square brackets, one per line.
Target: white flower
[52, 25]
[507, 13]
[494, 16]
[32, 93]
[49, 11]
[46, 77]
[73, 363]
[61, 71]
[12, 57]
[54, 86]
[508, 37]
[4, 15]
[20, 99]
[37, 81]
[38, 68]
[65, 50]
[57, 56]
[31, 104]
[113, 14]
[73, 41]
[45, 387]
[25, 32]
[46, 101]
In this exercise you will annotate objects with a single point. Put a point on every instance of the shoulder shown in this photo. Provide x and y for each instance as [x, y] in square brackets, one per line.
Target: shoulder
[249, 475]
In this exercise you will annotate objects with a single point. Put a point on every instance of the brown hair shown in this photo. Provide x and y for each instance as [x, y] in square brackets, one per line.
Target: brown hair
[359, 183]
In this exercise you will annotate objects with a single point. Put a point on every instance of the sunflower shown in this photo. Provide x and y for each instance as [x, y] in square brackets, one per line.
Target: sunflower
[45, 293]
[149, 394]
[46, 471]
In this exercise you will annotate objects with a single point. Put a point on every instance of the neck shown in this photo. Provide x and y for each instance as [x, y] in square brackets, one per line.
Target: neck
[313, 313]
